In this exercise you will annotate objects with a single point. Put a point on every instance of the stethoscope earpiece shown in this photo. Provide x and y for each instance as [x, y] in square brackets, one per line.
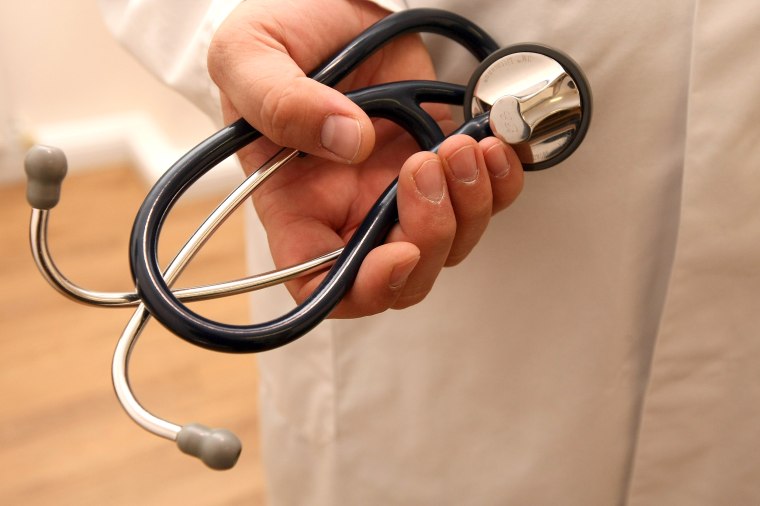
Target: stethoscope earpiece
[218, 448]
[45, 168]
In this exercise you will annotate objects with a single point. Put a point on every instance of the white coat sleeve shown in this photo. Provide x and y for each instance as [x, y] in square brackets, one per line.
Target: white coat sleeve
[171, 39]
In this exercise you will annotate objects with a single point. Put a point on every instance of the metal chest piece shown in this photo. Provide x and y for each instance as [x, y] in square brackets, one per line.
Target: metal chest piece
[539, 102]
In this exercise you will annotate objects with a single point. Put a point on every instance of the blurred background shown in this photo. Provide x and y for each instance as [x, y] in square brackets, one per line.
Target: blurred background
[63, 437]
[64, 79]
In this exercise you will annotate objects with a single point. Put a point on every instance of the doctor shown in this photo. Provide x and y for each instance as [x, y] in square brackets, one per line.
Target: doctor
[598, 342]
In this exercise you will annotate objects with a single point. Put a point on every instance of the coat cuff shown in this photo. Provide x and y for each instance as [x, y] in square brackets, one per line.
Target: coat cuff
[172, 47]
[391, 5]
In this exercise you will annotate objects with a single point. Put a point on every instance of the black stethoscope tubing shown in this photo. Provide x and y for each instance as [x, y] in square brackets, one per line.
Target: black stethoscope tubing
[399, 102]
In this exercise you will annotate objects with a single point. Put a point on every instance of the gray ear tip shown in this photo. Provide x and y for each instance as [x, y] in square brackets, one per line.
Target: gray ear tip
[46, 163]
[45, 168]
[217, 448]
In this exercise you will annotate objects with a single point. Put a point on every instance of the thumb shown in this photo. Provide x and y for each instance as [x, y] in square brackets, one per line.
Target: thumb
[254, 66]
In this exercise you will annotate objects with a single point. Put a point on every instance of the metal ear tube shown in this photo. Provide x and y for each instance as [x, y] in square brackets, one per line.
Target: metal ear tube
[217, 448]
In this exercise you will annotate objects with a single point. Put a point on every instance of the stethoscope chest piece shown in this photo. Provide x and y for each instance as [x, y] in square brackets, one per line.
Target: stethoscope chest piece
[539, 102]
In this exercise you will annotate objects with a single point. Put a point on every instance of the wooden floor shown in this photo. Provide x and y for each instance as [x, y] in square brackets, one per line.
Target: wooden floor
[64, 439]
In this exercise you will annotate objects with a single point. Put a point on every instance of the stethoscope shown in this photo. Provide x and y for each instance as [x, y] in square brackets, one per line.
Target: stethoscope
[530, 96]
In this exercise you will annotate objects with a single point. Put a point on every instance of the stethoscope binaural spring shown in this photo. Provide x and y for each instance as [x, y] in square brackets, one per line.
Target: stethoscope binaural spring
[530, 96]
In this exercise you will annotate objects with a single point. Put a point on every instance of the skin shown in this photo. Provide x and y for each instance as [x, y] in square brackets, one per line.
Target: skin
[313, 205]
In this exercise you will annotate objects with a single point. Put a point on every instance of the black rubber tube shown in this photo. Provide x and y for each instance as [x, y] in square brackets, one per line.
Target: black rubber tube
[398, 102]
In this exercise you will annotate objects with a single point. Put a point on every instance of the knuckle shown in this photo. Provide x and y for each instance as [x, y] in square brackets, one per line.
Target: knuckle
[506, 196]
[456, 258]
[480, 209]
[217, 57]
[444, 233]
[409, 299]
[227, 44]
[278, 109]
[376, 306]
[436, 231]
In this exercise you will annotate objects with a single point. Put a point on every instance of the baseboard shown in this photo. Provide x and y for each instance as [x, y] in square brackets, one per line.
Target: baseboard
[129, 139]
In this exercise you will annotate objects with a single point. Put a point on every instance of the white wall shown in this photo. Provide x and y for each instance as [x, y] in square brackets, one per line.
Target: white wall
[64, 79]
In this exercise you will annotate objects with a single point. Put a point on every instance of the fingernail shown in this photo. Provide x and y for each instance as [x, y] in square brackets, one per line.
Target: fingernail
[463, 164]
[341, 136]
[429, 180]
[497, 161]
[400, 273]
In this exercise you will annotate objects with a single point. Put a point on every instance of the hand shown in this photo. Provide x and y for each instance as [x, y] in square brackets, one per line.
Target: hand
[312, 206]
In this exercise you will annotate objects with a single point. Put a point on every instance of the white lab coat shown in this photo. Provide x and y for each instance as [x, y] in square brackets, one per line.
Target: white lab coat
[601, 345]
